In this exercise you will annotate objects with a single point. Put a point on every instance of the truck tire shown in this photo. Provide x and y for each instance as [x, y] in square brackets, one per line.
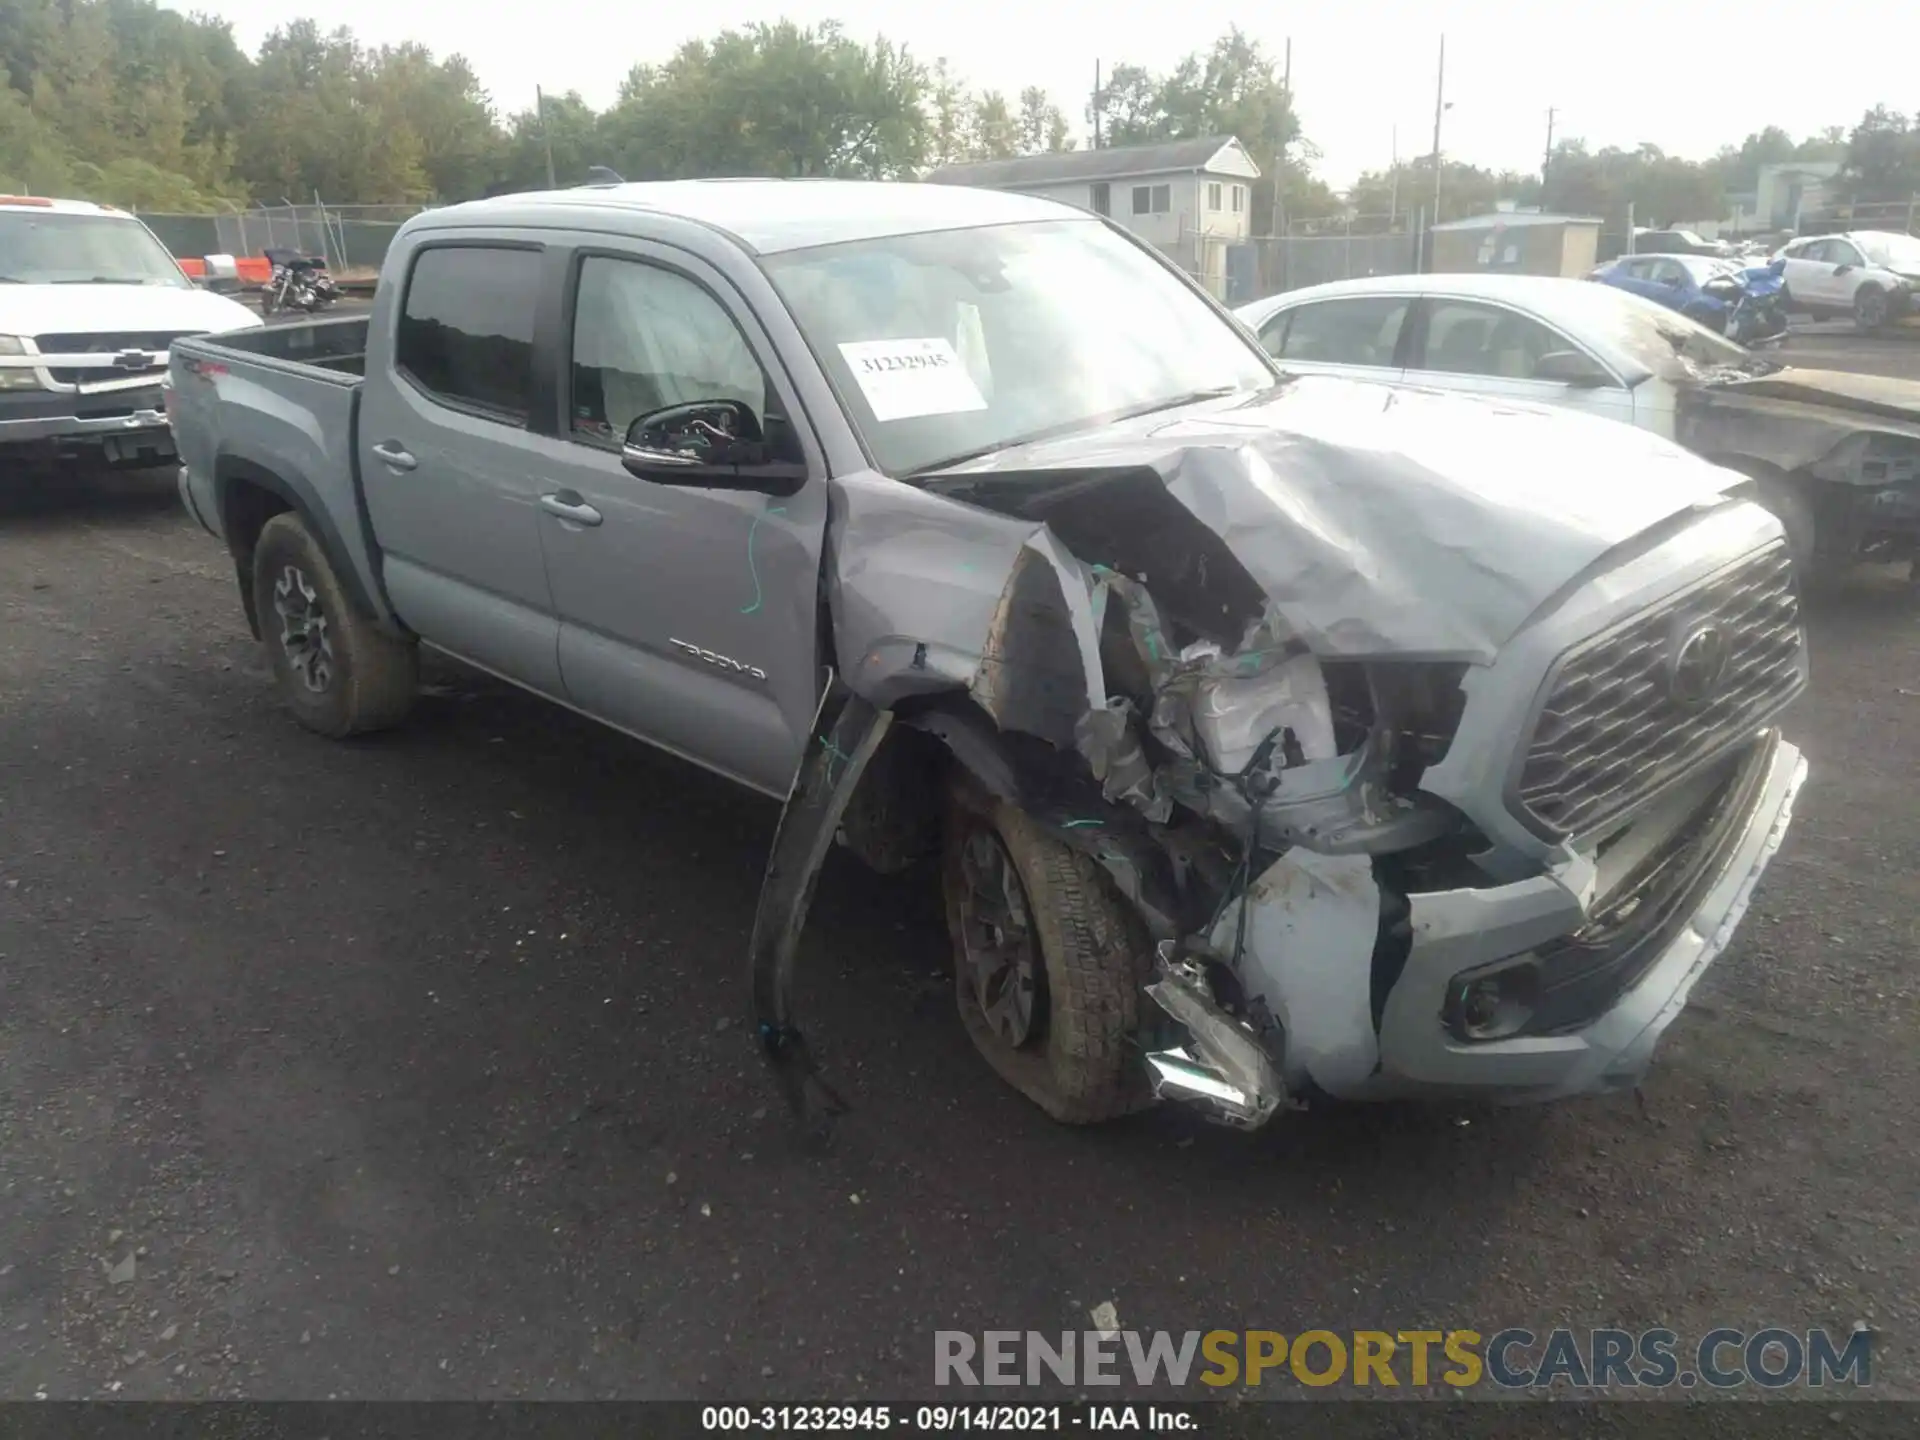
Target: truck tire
[1073, 951]
[337, 671]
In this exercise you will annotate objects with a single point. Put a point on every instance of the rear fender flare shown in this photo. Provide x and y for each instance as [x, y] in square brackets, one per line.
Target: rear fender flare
[233, 473]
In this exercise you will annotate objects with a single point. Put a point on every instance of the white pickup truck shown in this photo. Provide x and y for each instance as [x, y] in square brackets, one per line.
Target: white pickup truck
[90, 302]
[1279, 736]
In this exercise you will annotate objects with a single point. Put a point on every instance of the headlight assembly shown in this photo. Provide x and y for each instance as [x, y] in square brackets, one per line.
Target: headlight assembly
[11, 377]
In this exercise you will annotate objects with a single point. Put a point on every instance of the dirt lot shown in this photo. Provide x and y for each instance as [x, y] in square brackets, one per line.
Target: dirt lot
[412, 1067]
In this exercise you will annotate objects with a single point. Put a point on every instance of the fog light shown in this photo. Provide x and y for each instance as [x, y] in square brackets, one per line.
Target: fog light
[1493, 1004]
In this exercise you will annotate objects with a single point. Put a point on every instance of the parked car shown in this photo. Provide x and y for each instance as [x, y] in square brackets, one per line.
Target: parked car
[1872, 275]
[90, 302]
[1281, 737]
[1836, 456]
[1728, 297]
[1678, 242]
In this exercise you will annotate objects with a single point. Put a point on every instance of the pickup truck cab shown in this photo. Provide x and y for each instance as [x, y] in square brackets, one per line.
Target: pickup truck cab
[90, 302]
[1278, 737]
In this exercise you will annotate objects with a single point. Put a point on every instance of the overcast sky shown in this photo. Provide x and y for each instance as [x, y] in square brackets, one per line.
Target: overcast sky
[1685, 77]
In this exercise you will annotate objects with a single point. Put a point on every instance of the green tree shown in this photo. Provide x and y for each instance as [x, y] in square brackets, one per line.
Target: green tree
[1234, 88]
[1883, 158]
[778, 99]
[1040, 125]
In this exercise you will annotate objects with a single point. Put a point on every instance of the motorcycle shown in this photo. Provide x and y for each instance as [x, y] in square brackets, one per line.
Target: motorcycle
[297, 282]
[1745, 306]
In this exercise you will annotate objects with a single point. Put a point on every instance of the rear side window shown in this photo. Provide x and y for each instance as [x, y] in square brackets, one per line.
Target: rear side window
[466, 328]
[1361, 331]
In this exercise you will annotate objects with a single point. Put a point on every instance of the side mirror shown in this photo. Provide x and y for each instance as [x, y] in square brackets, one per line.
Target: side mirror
[1572, 369]
[708, 445]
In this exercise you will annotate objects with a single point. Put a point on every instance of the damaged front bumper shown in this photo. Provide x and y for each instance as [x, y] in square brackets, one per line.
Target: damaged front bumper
[1314, 954]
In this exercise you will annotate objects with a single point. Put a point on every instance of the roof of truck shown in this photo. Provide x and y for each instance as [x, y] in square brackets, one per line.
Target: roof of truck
[58, 207]
[769, 216]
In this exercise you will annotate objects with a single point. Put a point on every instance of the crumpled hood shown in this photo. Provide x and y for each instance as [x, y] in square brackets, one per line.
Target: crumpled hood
[1885, 396]
[88, 309]
[1377, 520]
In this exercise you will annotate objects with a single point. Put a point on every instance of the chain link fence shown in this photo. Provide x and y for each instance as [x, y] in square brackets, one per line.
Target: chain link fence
[348, 237]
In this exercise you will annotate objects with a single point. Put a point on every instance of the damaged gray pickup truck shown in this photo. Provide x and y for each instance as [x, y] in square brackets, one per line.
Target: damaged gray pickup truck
[1279, 737]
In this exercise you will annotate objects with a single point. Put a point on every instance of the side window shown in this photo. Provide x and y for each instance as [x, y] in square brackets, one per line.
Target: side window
[466, 328]
[1361, 331]
[1669, 272]
[1821, 251]
[1464, 338]
[645, 338]
[1844, 252]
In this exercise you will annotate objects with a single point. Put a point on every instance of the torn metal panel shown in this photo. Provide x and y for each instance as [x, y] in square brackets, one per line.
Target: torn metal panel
[1824, 422]
[1311, 924]
[1377, 522]
[1039, 669]
[913, 582]
[837, 755]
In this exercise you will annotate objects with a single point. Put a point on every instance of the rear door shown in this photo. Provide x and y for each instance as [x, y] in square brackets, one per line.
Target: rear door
[687, 616]
[1480, 348]
[450, 463]
[1358, 336]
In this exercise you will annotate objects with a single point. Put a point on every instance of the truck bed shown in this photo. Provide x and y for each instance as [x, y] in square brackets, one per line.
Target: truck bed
[335, 345]
[277, 407]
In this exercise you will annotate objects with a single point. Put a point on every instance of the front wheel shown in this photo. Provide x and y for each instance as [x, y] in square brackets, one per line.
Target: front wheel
[1048, 963]
[1869, 307]
[337, 671]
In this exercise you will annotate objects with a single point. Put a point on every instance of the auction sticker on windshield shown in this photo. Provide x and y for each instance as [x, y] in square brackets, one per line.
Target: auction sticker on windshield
[905, 378]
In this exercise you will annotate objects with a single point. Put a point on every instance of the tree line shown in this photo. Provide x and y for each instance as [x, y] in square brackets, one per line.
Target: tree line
[124, 102]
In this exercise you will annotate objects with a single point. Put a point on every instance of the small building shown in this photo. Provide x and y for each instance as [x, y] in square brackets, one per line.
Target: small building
[1517, 242]
[1192, 198]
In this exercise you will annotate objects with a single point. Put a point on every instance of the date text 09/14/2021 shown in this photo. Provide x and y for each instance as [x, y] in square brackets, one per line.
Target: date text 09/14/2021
[949, 1419]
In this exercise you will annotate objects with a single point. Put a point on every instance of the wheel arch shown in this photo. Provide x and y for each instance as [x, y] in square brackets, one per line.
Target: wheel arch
[247, 494]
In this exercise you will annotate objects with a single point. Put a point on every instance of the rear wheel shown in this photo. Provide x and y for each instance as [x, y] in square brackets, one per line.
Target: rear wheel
[1048, 963]
[337, 671]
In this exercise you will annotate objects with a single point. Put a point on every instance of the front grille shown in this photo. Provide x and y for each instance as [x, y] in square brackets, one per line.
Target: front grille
[107, 343]
[1612, 732]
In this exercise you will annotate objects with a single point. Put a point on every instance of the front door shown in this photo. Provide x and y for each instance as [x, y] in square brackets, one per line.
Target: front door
[687, 616]
[449, 466]
[1485, 349]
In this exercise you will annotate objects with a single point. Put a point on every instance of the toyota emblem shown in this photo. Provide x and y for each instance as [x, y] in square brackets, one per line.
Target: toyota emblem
[1699, 665]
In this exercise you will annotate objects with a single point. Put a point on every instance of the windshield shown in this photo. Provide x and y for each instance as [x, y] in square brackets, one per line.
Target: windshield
[45, 248]
[1666, 343]
[1896, 252]
[956, 343]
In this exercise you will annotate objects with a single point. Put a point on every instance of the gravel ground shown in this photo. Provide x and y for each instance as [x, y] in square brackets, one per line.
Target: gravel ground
[409, 1068]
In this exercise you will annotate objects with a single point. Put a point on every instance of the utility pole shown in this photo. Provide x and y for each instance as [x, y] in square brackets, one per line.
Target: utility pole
[546, 135]
[1280, 155]
[1096, 104]
[1439, 108]
[1546, 162]
[1393, 176]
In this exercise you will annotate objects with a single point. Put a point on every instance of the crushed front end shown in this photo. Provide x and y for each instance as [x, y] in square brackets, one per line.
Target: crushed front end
[1416, 785]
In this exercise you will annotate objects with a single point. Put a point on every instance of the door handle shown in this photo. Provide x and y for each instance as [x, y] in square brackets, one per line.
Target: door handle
[394, 456]
[569, 506]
